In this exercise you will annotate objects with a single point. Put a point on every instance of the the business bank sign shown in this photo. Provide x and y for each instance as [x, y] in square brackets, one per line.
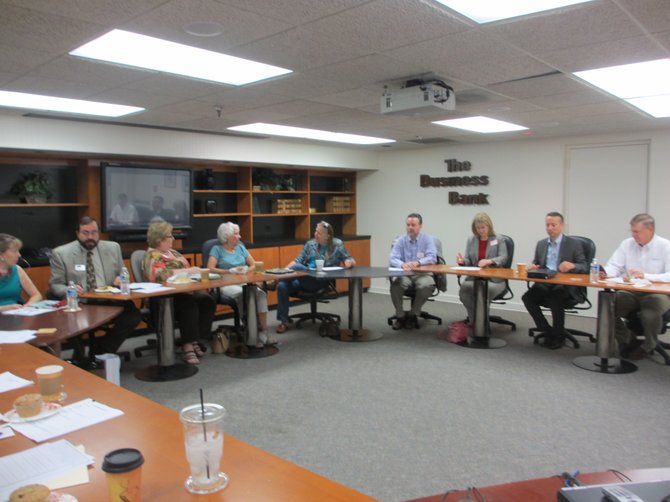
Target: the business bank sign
[461, 177]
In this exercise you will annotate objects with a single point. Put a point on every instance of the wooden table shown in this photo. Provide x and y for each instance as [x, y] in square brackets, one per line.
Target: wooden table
[604, 360]
[167, 369]
[157, 432]
[67, 324]
[545, 489]
[355, 276]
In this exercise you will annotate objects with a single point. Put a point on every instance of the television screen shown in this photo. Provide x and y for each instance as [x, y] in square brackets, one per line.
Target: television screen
[134, 197]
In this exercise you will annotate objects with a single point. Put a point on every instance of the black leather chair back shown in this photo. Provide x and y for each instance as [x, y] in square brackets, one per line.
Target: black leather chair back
[206, 249]
[589, 248]
[507, 294]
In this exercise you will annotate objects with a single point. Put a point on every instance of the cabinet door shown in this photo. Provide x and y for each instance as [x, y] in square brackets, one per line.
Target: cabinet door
[289, 253]
[270, 258]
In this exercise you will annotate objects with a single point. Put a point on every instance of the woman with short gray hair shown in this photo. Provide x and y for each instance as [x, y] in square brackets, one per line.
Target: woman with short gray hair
[228, 257]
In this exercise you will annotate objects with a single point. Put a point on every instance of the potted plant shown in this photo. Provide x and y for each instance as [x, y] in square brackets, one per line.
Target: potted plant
[34, 188]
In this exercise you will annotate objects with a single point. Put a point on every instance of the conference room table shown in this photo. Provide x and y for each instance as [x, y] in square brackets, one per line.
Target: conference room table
[157, 432]
[67, 324]
[546, 489]
[604, 360]
[166, 368]
[355, 275]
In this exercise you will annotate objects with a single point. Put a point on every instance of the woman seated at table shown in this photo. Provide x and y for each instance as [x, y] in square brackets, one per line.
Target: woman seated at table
[194, 311]
[232, 253]
[482, 250]
[325, 247]
[13, 279]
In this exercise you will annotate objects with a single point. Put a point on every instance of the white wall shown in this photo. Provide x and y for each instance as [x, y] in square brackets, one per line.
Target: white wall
[55, 135]
[526, 181]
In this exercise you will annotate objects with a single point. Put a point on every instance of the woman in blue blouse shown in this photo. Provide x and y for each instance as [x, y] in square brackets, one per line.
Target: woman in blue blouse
[13, 279]
[325, 247]
[224, 258]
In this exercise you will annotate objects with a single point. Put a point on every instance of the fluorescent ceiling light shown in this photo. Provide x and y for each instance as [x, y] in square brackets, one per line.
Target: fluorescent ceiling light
[656, 106]
[55, 104]
[300, 132]
[132, 49]
[487, 11]
[481, 124]
[634, 81]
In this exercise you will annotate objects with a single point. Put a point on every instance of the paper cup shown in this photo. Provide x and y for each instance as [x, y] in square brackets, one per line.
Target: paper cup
[123, 470]
[50, 380]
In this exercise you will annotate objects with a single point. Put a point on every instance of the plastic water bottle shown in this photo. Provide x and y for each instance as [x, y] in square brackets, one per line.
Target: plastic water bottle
[72, 297]
[125, 281]
[594, 274]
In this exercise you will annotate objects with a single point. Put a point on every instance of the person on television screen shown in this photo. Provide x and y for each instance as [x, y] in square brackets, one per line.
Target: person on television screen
[92, 263]
[180, 211]
[123, 213]
[13, 279]
[158, 212]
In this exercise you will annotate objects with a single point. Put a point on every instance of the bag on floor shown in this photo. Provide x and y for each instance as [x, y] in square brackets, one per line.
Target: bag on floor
[221, 340]
[329, 328]
[458, 332]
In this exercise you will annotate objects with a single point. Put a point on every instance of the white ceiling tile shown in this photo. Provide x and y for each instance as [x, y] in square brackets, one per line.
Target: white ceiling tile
[294, 11]
[583, 24]
[654, 15]
[535, 87]
[171, 85]
[570, 99]
[353, 98]
[53, 87]
[20, 59]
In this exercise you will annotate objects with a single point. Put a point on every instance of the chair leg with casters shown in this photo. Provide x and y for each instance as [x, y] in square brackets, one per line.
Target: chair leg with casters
[313, 315]
[538, 335]
[499, 320]
[662, 348]
[427, 316]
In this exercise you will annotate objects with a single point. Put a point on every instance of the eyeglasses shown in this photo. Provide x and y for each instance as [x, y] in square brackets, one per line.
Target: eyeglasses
[88, 233]
[169, 237]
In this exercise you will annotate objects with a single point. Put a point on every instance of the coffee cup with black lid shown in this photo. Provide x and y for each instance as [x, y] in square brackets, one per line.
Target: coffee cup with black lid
[123, 469]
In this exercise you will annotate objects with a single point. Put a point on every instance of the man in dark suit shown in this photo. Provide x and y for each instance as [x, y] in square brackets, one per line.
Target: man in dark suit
[563, 254]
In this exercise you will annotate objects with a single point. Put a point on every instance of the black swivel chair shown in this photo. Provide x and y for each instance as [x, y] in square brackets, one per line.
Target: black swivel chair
[440, 286]
[219, 297]
[574, 305]
[635, 325]
[323, 295]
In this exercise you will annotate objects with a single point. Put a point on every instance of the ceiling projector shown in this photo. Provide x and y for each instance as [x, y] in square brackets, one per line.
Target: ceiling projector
[418, 98]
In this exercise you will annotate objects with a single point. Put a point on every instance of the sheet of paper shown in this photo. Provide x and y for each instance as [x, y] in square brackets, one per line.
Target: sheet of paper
[6, 432]
[134, 286]
[395, 269]
[77, 476]
[39, 464]
[330, 269]
[151, 289]
[19, 336]
[70, 418]
[28, 311]
[460, 267]
[9, 381]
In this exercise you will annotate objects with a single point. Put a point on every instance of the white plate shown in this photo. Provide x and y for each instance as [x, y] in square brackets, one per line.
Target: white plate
[242, 269]
[107, 289]
[179, 280]
[61, 497]
[48, 409]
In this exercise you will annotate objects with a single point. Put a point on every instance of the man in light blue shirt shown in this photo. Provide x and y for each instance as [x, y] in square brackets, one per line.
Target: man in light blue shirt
[409, 252]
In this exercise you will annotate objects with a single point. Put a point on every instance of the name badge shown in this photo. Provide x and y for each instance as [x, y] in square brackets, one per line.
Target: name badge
[419, 255]
[494, 242]
[80, 268]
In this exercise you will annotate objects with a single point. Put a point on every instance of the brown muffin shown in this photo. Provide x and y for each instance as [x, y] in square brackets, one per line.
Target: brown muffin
[30, 493]
[28, 405]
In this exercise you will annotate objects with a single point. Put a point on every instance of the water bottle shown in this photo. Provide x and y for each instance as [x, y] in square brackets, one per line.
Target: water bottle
[125, 281]
[594, 274]
[72, 297]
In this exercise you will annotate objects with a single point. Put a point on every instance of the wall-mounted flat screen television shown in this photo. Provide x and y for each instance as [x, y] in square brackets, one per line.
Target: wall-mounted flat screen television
[133, 197]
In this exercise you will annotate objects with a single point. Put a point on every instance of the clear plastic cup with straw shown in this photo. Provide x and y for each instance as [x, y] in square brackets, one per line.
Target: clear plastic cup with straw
[203, 439]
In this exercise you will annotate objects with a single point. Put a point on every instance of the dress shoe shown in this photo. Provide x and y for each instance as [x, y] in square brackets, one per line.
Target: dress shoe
[411, 321]
[556, 342]
[628, 348]
[637, 354]
[398, 323]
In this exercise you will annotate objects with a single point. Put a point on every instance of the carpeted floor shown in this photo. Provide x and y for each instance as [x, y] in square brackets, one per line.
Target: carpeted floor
[411, 415]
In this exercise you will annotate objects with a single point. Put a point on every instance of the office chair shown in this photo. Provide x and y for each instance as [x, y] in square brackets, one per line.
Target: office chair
[323, 295]
[440, 285]
[574, 305]
[136, 266]
[218, 296]
[634, 324]
[507, 294]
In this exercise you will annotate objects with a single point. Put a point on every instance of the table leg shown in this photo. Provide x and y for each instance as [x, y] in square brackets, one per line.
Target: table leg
[603, 362]
[249, 348]
[166, 370]
[481, 338]
[356, 333]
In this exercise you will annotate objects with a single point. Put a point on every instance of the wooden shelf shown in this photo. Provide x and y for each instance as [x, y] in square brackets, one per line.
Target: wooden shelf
[335, 212]
[220, 191]
[316, 192]
[269, 215]
[47, 204]
[218, 215]
[281, 192]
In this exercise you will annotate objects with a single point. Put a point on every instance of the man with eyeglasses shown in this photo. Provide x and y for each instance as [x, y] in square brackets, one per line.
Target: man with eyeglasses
[91, 263]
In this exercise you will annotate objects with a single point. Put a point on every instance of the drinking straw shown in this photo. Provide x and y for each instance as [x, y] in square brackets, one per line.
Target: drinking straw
[204, 430]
